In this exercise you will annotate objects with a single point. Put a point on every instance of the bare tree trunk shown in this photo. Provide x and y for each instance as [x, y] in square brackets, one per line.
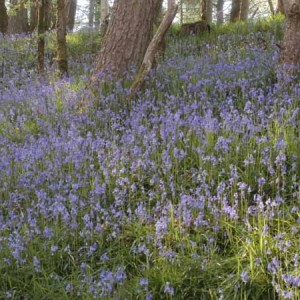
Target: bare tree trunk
[280, 7]
[62, 59]
[41, 36]
[33, 19]
[91, 13]
[220, 11]
[244, 10]
[104, 15]
[271, 6]
[235, 10]
[128, 36]
[71, 6]
[18, 23]
[97, 17]
[4, 17]
[49, 12]
[290, 49]
[153, 47]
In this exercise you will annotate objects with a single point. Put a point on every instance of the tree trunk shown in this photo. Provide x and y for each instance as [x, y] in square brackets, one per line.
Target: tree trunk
[4, 17]
[271, 6]
[220, 11]
[97, 17]
[128, 36]
[207, 11]
[18, 22]
[280, 7]
[244, 10]
[41, 36]
[49, 12]
[91, 13]
[71, 6]
[235, 10]
[33, 19]
[61, 32]
[154, 46]
[290, 49]
[104, 15]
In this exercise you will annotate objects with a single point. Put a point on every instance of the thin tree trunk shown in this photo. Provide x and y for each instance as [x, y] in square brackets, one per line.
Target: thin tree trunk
[128, 36]
[271, 6]
[154, 45]
[62, 59]
[280, 7]
[204, 10]
[290, 49]
[244, 10]
[235, 10]
[71, 6]
[91, 13]
[220, 11]
[97, 17]
[41, 36]
[4, 17]
[33, 19]
[49, 12]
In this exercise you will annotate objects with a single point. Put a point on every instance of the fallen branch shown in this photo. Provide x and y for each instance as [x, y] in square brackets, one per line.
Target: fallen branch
[154, 46]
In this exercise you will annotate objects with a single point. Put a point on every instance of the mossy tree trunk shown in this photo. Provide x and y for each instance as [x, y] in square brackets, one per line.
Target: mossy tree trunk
[62, 58]
[290, 48]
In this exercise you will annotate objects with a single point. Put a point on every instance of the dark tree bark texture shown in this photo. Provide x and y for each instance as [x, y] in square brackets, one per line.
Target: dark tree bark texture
[235, 10]
[128, 36]
[62, 59]
[3, 17]
[41, 36]
[290, 48]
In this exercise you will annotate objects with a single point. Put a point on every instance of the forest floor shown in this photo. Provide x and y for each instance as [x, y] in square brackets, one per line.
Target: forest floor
[189, 191]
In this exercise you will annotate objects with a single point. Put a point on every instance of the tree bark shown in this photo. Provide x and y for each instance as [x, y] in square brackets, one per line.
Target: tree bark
[62, 59]
[271, 6]
[41, 36]
[4, 17]
[18, 23]
[207, 11]
[128, 36]
[235, 10]
[244, 10]
[104, 15]
[280, 7]
[290, 49]
[220, 11]
[91, 13]
[71, 6]
[153, 47]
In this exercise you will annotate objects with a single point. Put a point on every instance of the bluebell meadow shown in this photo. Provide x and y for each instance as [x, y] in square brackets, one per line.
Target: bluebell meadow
[190, 191]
